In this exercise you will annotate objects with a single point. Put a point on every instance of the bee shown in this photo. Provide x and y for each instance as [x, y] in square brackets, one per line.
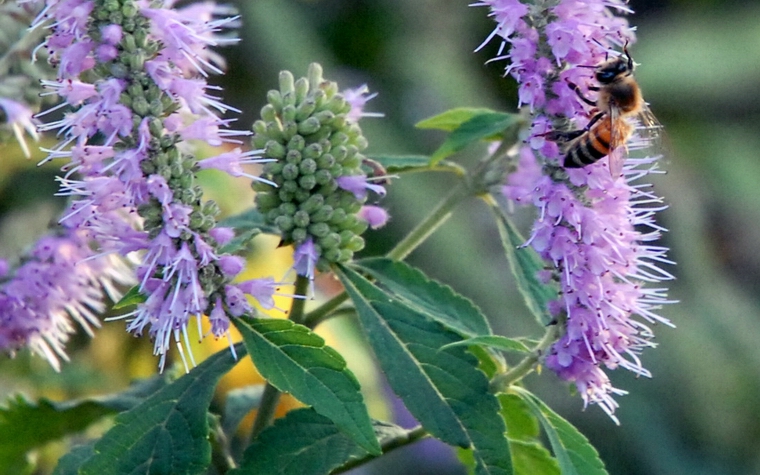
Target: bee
[608, 131]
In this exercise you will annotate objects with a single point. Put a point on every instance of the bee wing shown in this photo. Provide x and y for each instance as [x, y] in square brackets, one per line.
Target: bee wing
[620, 130]
[648, 133]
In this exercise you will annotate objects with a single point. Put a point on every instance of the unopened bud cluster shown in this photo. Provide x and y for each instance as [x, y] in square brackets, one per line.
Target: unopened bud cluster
[304, 127]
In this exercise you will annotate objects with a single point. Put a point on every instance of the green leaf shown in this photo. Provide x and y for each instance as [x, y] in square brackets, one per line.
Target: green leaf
[69, 464]
[247, 225]
[521, 423]
[424, 295]
[132, 297]
[532, 458]
[452, 118]
[488, 125]
[238, 403]
[575, 454]
[25, 425]
[525, 265]
[444, 390]
[168, 432]
[293, 359]
[402, 163]
[493, 341]
[306, 443]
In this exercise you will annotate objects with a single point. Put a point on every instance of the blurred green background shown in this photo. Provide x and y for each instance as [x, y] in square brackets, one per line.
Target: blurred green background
[699, 70]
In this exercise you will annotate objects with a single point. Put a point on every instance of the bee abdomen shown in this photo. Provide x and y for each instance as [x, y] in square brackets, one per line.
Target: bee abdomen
[589, 147]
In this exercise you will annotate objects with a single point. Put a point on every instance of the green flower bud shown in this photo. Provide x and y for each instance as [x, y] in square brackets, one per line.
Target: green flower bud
[290, 171]
[345, 255]
[128, 43]
[288, 208]
[323, 214]
[268, 113]
[286, 83]
[307, 182]
[340, 152]
[319, 230]
[312, 151]
[210, 208]
[299, 235]
[338, 217]
[301, 218]
[285, 195]
[129, 9]
[273, 168]
[196, 220]
[308, 166]
[296, 143]
[140, 106]
[331, 240]
[309, 126]
[312, 204]
[119, 71]
[332, 254]
[290, 186]
[306, 108]
[355, 244]
[274, 149]
[274, 98]
[324, 177]
[301, 195]
[289, 113]
[301, 89]
[285, 223]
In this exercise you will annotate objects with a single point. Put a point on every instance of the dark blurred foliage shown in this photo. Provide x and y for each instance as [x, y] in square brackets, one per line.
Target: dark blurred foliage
[700, 71]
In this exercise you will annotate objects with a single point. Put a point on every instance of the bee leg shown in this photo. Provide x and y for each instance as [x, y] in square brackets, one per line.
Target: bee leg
[559, 136]
[578, 91]
[628, 55]
[594, 120]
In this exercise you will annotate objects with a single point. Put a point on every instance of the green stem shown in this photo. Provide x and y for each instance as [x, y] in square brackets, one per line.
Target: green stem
[316, 316]
[407, 438]
[501, 382]
[298, 305]
[427, 226]
[269, 400]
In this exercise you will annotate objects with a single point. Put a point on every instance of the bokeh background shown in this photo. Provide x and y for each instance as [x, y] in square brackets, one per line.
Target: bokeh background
[700, 71]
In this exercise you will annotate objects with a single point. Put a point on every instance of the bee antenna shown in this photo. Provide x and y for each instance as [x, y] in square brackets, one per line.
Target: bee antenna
[586, 66]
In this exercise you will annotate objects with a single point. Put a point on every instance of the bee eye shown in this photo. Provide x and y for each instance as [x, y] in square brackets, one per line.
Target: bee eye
[605, 76]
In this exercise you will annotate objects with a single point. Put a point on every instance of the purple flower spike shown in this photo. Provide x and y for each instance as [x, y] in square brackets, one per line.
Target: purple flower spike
[595, 231]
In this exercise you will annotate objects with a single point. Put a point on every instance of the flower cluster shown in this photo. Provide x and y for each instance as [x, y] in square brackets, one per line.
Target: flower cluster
[57, 282]
[595, 230]
[20, 91]
[134, 74]
[309, 131]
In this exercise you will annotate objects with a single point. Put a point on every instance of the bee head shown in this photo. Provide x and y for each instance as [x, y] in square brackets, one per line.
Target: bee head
[609, 71]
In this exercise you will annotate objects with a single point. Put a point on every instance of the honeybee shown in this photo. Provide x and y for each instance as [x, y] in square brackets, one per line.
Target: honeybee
[608, 131]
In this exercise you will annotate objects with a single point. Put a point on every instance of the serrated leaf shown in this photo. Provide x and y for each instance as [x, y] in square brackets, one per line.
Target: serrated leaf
[525, 265]
[521, 423]
[422, 294]
[237, 404]
[402, 163]
[293, 359]
[69, 464]
[575, 454]
[444, 390]
[132, 297]
[532, 458]
[168, 432]
[305, 443]
[452, 118]
[25, 425]
[488, 125]
[493, 341]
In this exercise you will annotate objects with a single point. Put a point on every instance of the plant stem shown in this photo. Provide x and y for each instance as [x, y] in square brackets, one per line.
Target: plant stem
[501, 382]
[410, 436]
[298, 305]
[265, 413]
[427, 226]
